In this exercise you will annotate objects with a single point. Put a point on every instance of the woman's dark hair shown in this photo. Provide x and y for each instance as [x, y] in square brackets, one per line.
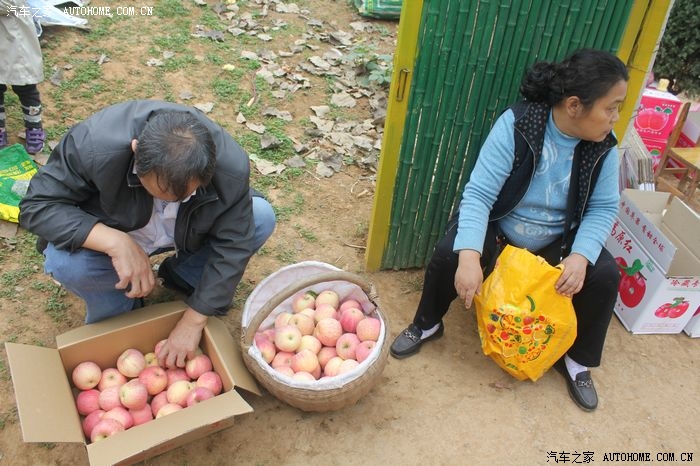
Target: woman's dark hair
[587, 74]
[179, 149]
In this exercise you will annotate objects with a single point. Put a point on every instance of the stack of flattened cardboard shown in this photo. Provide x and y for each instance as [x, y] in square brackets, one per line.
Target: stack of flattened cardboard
[636, 165]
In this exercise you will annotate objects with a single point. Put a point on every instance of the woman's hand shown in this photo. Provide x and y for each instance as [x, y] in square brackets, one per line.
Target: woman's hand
[469, 276]
[571, 280]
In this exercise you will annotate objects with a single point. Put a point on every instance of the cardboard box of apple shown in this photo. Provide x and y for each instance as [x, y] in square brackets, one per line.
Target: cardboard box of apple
[320, 337]
[137, 390]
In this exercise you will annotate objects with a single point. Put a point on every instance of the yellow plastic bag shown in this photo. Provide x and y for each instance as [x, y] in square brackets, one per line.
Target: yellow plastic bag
[524, 324]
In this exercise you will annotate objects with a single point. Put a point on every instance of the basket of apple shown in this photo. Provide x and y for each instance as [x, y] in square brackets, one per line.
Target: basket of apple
[314, 336]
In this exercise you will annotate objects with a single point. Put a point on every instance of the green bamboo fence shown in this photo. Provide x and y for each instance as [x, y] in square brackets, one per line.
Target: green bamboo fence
[471, 57]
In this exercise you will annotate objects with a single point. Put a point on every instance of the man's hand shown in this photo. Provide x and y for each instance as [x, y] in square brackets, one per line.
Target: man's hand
[130, 261]
[469, 276]
[571, 279]
[183, 340]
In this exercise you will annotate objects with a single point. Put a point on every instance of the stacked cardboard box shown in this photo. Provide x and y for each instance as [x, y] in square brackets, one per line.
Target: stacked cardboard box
[657, 249]
[656, 117]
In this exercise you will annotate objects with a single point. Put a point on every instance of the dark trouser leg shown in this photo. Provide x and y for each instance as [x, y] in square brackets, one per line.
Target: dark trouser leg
[593, 306]
[30, 99]
[439, 282]
[3, 89]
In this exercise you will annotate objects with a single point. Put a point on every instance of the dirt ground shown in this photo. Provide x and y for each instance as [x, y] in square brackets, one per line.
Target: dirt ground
[448, 405]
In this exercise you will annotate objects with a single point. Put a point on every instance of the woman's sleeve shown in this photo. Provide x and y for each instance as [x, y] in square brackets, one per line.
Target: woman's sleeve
[490, 172]
[600, 212]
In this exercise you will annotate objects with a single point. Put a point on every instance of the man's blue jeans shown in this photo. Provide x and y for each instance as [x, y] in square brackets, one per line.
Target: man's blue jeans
[91, 276]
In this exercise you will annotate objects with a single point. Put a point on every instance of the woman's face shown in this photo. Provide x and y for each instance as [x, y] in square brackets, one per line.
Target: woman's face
[596, 122]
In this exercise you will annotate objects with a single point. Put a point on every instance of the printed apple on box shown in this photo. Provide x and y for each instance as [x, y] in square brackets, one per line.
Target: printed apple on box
[657, 250]
[657, 114]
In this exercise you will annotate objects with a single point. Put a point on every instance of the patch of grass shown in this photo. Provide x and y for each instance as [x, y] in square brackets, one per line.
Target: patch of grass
[86, 72]
[174, 41]
[286, 256]
[286, 212]
[171, 9]
[305, 233]
[56, 305]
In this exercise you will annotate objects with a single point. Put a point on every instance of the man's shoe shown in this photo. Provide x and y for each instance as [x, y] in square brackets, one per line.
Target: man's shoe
[409, 341]
[3, 138]
[34, 140]
[581, 390]
[172, 280]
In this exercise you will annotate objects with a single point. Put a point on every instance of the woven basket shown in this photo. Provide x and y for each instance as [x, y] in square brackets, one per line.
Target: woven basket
[275, 293]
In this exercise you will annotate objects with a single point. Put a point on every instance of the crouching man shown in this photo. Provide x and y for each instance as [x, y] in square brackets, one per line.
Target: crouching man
[140, 178]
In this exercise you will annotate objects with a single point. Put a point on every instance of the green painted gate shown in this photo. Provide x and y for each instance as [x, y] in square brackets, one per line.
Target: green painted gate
[470, 56]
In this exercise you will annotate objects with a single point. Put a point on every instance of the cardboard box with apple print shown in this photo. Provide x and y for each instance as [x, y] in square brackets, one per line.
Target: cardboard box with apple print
[46, 405]
[657, 249]
[657, 114]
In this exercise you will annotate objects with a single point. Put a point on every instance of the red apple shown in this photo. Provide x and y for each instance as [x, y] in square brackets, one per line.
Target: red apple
[151, 359]
[304, 323]
[158, 346]
[210, 380]
[120, 414]
[328, 297]
[310, 342]
[346, 345]
[109, 398]
[168, 409]
[90, 421]
[197, 395]
[287, 338]
[305, 361]
[325, 354]
[197, 366]
[267, 349]
[368, 329]
[131, 362]
[333, 366]
[304, 300]
[105, 428]
[286, 370]
[158, 402]
[301, 375]
[282, 319]
[347, 303]
[324, 311]
[328, 330]
[176, 374]
[111, 377]
[133, 394]
[349, 319]
[364, 349]
[347, 365]
[282, 358]
[154, 378]
[177, 392]
[86, 375]
[141, 416]
[87, 401]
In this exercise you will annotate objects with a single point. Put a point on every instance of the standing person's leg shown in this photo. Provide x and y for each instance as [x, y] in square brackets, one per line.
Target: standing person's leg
[438, 291]
[91, 276]
[184, 271]
[30, 99]
[3, 132]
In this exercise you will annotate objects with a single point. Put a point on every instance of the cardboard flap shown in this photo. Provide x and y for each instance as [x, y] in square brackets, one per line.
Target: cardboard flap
[681, 225]
[231, 358]
[47, 414]
[158, 435]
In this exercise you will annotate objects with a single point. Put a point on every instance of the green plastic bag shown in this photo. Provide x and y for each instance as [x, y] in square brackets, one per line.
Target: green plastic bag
[383, 9]
[16, 169]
